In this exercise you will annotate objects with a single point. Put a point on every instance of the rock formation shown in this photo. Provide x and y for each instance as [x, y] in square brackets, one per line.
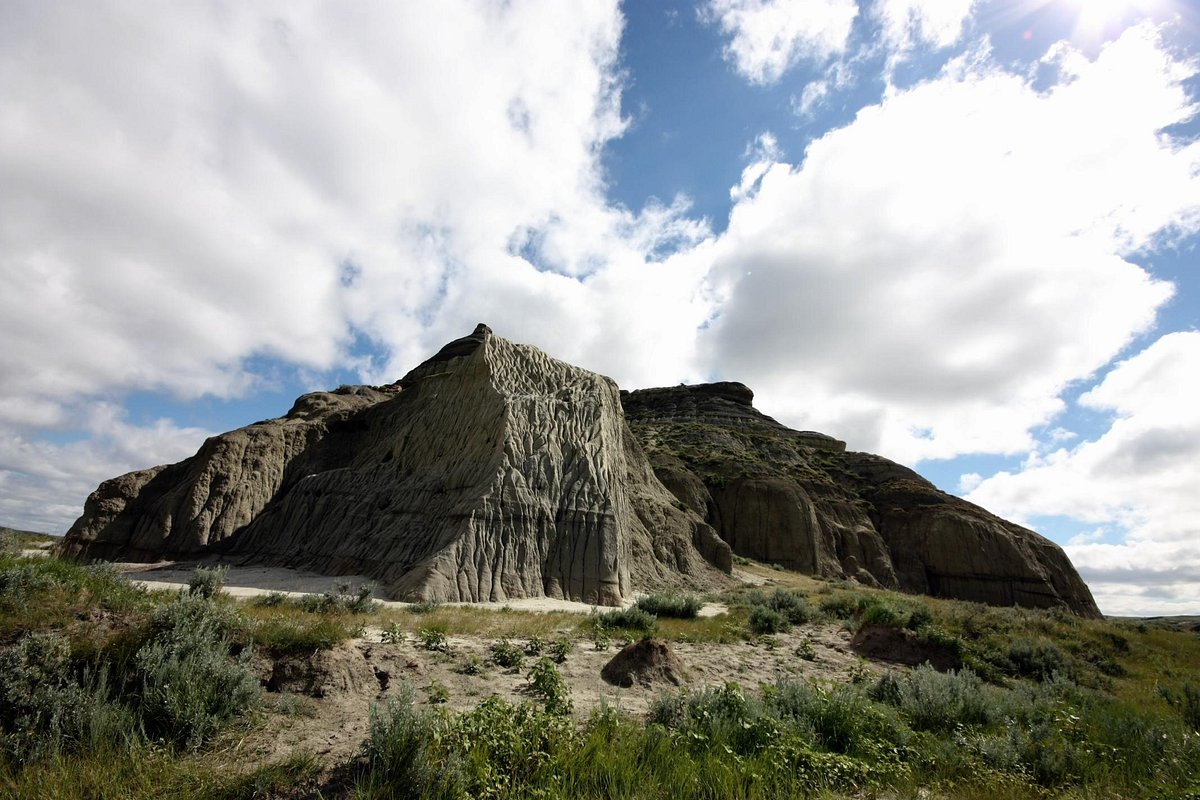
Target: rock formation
[799, 499]
[489, 472]
[492, 471]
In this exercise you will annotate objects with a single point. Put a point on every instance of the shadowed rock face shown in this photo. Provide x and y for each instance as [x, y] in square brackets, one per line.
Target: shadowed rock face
[800, 500]
[489, 472]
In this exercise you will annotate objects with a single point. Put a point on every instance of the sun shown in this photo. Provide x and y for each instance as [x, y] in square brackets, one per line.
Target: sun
[1095, 18]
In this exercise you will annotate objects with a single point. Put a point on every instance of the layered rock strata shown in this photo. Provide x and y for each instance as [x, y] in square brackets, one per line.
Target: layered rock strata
[799, 499]
[489, 472]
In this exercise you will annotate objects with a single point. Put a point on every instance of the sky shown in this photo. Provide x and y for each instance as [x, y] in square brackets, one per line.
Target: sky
[958, 233]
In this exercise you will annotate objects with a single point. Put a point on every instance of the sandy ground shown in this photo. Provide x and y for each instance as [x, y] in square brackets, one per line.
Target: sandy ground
[327, 699]
[252, 581]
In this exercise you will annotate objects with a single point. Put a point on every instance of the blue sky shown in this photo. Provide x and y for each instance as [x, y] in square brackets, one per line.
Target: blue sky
[959, 233]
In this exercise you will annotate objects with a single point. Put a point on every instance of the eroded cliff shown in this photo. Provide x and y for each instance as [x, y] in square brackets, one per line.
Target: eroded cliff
[799, 499]
[489, 472]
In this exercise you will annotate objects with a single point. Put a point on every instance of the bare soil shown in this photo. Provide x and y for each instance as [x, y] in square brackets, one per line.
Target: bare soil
[325, 700]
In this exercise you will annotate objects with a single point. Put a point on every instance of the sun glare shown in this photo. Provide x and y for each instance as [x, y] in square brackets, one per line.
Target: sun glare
[1097, 18]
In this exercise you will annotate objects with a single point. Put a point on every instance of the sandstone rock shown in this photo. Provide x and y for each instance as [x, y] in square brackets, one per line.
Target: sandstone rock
[491, 471]
[799, 500]
[646, 662]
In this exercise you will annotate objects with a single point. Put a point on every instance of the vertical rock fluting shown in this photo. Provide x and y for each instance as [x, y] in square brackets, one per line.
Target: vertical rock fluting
[489, 472]
[800, 500]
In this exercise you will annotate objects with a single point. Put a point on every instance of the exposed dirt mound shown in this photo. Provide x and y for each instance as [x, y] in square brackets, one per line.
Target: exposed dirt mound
[343, 670]
[648, 662]
[902, 646]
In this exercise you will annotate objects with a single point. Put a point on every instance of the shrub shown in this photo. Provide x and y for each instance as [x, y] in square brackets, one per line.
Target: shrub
[40, 702]
[270, 600]
[560, 649]
[1186, 701]
[921, 617]
[342, 598]
[401, 762]
[633, 619]
[434, 639]
[1039, 658]
[676, 606]
[507, 655]
[880, 614]
[207, 581]
[20, 581]
[188, 683]
[764, 620]
[423, 607]
[937, 701]
[793, 606]
[547, 682]
[534, 646]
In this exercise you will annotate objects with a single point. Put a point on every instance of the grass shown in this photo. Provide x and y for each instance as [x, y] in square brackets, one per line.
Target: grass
[111, 691]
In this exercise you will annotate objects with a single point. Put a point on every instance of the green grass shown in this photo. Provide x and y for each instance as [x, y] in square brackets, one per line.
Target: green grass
[107, 690]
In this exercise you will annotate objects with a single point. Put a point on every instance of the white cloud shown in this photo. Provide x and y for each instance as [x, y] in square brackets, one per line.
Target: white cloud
[768, 37]
[909, 23]
[43, 484]
[813, 94]
[186, 188]
[1139, 477]
[932, 276]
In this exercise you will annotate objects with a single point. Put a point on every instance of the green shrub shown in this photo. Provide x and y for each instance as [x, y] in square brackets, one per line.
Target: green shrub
[20, 582]
[534, 646]
[45, 710]
[401, 762]
[1039, 659]
[547, 683]
[434, 639]
[270, 600]
[921, 617]
[189, 684]
[1186, 701]
[676, 606]
[207, 581]
[764, 620]
[632, 619]
[507, 655]
[880, 614]
[794, 607]
[560, 649]
[935, 701]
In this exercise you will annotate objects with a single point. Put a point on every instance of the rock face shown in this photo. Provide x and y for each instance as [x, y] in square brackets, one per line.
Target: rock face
[489, 472]
[493, 471]
[801, 500]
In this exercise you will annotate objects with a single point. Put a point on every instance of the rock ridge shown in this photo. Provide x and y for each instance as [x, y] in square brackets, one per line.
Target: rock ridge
[490, 471]
[803, 501]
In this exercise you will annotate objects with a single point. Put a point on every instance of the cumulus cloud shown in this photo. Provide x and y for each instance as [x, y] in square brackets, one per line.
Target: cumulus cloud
[1138, 478]
[42, 483]
[932, 276]
[188, 190]
[768, 37]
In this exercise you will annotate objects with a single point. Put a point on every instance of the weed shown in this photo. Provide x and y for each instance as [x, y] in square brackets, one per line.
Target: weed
[561, 648]
[630, 619]
[507, 655]
[438, 693]
[547, 682]
[764, 620]
[676, 606]
[534, 646]
[189, 684]
[393, 634]
[434, 639]
[806, 651]
[207, 581]
[472, 666]
[423, 607]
